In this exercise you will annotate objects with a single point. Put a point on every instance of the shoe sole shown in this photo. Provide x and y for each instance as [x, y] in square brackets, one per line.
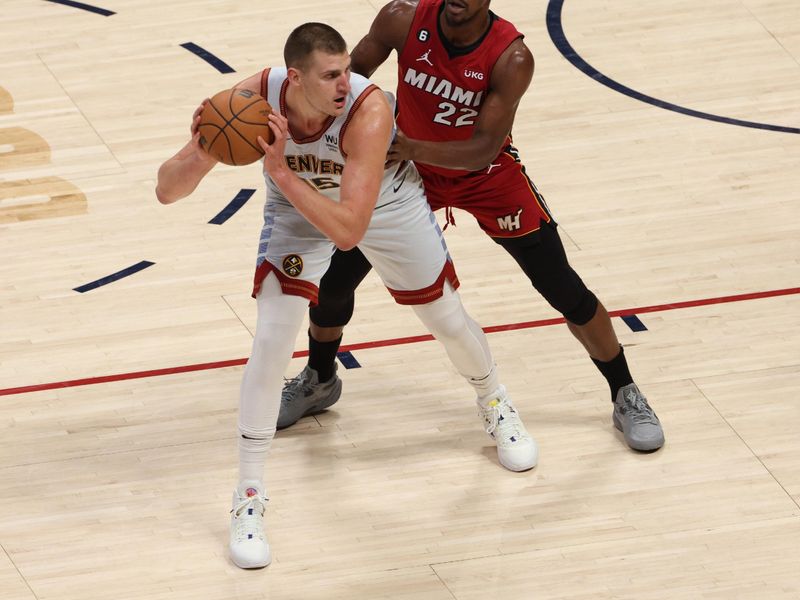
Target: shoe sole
[516, 469]
[252, 567]
[651, 447]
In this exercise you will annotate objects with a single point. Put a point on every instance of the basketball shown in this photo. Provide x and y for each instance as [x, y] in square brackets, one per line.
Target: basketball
[230, 125]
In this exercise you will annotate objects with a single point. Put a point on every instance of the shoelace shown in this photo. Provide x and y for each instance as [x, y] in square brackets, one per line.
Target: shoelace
[294, 386]
[510, 424]
[248, 526]
[640, 409]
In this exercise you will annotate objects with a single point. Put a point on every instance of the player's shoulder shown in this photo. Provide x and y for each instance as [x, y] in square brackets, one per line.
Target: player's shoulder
[365, 96]
[518, 53]
[396, 15]
[358, 80]
[369, 117]
[514, 68]
[399, 8]
[360, 86]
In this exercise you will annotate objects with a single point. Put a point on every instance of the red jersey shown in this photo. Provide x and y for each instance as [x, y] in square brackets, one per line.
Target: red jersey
[440, 88]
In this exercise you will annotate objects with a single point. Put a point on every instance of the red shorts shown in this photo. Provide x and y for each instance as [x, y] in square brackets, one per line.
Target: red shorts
[501, 197]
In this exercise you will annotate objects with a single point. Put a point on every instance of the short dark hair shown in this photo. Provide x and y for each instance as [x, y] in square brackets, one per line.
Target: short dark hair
[309, 37]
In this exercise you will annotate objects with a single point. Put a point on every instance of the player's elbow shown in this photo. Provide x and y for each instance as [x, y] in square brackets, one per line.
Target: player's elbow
[344, 247]
[481, 160]
[164, 197]
[350, 228]
[349, 237]
[347, 241]
[482, 154]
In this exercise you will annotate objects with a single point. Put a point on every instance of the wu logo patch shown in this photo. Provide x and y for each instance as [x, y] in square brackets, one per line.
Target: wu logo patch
[292, 265]
[332, 142]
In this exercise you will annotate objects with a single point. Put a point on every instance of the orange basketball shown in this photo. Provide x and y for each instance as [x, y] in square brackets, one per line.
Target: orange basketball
[231, 123]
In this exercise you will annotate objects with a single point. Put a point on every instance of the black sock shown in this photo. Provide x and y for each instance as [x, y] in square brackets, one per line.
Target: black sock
[616, 372]
[322, 356]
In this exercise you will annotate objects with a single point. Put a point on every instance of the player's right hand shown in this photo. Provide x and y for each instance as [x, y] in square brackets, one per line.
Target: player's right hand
[196, 116]
[195, 142]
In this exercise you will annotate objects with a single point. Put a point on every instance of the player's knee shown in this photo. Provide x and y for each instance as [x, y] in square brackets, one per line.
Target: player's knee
[445, 317]
[584, 310]
[449, 326]
[264, 340]
[334, 308]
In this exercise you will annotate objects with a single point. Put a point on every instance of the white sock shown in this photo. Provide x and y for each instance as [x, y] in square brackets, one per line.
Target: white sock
[463, 339]
[487, 388]
[279, 319]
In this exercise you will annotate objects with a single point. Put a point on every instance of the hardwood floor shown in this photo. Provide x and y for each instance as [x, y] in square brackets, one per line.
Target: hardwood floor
[117, 485]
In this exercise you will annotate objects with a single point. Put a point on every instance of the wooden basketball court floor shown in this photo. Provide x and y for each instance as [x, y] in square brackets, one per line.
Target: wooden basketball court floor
[118, 405]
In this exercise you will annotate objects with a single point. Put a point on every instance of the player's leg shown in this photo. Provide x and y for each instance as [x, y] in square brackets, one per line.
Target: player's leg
[511, 210]
[279, 319]
[317, 387]
[293, 256]
[542, 257]
[468, 350]
[406, 247]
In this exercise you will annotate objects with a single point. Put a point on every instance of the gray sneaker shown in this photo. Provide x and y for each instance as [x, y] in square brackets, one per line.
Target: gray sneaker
[636, 420]
[305, 395]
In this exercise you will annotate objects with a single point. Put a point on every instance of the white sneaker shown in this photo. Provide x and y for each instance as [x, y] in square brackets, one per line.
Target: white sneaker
[248, 545]
[516, 449]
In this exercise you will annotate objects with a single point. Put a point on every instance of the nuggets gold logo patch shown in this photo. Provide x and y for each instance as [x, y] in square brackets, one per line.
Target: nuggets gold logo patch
[292, 265]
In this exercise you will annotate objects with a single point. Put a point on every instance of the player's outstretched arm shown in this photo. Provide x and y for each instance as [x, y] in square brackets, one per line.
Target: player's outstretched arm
[346, 221]
[387, 32]
[510, 79]
[179, 176]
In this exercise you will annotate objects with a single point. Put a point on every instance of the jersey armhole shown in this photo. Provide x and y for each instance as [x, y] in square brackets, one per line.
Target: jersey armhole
[264, 83]
[356, 105]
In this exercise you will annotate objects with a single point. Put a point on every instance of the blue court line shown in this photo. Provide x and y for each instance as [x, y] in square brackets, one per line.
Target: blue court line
[633, 322]
[81, 5]
[238, 202]
[556, 30]
[348, 360]
[114, 276]
[215, 62]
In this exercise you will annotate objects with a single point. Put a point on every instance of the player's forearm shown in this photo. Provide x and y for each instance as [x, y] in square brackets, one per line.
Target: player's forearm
[338, 221]
[470, 155]
[180, 175]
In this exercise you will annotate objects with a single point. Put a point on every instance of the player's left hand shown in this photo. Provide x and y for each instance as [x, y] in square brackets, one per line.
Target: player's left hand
[274, 160]
[401, 148]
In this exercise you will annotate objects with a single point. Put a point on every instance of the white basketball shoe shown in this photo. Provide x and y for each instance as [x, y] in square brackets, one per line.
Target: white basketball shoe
[248, 544]
[516, 449]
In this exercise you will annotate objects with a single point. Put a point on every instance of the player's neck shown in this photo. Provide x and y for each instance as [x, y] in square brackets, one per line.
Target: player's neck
[304, 119]
[467, 33]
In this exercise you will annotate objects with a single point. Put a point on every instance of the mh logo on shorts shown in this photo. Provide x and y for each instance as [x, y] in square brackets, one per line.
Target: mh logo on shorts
[509, 222]
[292, 265]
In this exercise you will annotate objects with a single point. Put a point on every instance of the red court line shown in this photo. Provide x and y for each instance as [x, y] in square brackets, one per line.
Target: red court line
[394, 342]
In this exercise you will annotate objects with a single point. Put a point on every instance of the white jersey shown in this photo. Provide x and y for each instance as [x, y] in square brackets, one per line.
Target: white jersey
[319, 159]
[403, 241]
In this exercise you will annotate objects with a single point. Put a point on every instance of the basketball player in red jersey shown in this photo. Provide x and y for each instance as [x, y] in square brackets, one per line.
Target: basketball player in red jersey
[461, 73]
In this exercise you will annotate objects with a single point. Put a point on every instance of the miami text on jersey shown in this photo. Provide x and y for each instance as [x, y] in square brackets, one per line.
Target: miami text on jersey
[442, 88]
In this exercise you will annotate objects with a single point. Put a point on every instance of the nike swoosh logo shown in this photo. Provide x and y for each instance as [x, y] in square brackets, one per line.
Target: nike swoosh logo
[397, 187]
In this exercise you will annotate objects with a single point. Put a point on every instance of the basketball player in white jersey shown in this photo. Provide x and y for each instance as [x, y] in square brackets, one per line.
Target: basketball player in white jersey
[327, 187]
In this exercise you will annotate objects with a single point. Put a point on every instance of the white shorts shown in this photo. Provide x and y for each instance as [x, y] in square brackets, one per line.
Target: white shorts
[403, 243]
